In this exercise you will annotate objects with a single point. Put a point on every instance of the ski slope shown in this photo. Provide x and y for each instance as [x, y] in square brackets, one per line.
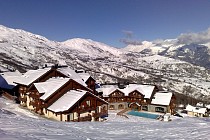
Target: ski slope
[20, 124]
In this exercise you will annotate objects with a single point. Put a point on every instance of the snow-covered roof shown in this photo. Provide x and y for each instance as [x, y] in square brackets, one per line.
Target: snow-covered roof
[146, 90]
[84, 76]
[50, 86]
[7, 79]
[162, 98]
[196, 109]
[208, 106]
[199, 104]
[106, 90]
[11, 73]
[72, 74]
[30, 76]
[189, 108]
[67, 101]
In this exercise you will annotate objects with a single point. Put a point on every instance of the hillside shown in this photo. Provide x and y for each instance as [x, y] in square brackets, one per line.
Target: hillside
[19, 124]
[155, 64]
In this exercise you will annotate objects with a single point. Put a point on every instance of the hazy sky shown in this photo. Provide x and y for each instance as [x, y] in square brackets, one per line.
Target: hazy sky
[107, 21]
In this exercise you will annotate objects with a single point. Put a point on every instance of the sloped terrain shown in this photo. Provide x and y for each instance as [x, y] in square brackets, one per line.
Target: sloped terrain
[19, 124]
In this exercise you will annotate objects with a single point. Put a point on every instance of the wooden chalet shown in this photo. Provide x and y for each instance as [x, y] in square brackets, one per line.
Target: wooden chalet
[42, 88]
[163, 102]
[198, 111]
[132, 96]
[32, 76]
[65, 99]
[138, 97]
[89, 80]
[82, 106]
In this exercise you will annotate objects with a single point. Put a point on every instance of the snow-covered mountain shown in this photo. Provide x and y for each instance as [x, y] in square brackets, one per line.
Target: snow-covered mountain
[23, 50]
[192, 47]
[88, 46]
[152, 47]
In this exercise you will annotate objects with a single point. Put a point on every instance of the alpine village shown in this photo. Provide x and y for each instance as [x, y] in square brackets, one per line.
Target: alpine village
[63, 94]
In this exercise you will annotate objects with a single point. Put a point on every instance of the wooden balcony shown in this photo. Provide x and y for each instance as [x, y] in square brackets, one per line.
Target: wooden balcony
[82, 119]
[120, 100]
[86, 109]
[23, 99]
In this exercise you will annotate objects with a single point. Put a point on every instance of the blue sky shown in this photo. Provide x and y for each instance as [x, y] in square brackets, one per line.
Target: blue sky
[107, 21]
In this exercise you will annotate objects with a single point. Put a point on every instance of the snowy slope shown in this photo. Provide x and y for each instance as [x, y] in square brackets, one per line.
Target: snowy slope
[20, 124]
[26, 49]
[91, 47]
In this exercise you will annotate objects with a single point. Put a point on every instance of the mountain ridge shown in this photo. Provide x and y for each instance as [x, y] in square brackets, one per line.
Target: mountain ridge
[22, 50]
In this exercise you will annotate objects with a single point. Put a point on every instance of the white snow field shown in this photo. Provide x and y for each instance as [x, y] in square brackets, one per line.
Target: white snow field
[19, 124]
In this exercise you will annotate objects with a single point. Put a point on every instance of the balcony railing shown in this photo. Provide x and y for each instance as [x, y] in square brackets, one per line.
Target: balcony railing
[86, 109]
[82, 119]
[119, 100]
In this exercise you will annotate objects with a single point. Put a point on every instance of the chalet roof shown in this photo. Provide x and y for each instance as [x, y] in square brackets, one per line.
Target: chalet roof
[72, 74]
[11, 73]
[31, 75]
[162, 98]
[146, 90]
[7, 79]
[50, 86]
[107, 90]
[68, 100]
[201, 110]
[84, 76]
[208, 106]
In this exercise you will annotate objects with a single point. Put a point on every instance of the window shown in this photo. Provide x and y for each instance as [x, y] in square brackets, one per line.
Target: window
[111, 107]
[120, 106]
[145, 108]
[159, 109]
[88, 103]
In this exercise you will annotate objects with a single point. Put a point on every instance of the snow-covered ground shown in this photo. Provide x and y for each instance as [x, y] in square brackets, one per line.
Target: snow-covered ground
[20, 124]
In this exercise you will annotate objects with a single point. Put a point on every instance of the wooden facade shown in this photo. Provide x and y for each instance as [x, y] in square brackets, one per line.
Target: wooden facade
[23, 89]
[135, 100]
[88, 108]
[91, 84]
[39, 104]
[118, 100]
